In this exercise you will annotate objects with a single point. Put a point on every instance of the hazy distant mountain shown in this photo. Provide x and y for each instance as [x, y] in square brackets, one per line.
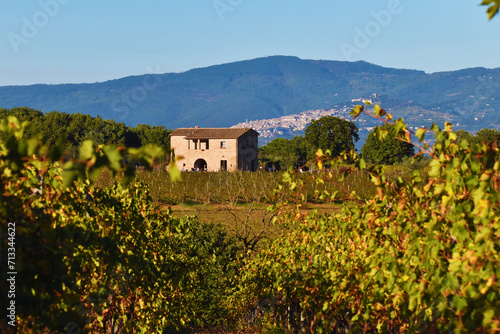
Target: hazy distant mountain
[270, 87]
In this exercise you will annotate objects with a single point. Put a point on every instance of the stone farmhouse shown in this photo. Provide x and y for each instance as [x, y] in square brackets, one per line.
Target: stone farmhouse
[215, 149]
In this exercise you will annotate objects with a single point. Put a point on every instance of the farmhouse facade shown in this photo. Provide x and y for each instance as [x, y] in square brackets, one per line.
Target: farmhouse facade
[215, 149]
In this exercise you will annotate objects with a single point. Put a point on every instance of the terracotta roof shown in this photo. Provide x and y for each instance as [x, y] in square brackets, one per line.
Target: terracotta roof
[211, 133]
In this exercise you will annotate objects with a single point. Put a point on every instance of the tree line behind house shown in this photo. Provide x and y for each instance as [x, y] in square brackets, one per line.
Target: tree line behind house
[327, 133]
[74, 129]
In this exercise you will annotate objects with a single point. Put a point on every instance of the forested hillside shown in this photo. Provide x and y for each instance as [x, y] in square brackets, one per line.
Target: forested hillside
[224, 95]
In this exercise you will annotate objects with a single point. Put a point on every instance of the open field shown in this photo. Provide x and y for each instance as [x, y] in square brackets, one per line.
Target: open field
[249, 223]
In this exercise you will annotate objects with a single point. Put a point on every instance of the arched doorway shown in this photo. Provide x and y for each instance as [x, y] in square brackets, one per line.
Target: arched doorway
[200, 165]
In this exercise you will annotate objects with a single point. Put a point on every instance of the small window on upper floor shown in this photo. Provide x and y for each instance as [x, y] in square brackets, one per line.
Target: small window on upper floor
[222, 144]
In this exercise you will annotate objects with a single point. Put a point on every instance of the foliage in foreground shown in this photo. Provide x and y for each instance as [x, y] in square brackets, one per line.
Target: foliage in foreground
[102, 260]
[422, 255]
[418, 257]
[493, 7]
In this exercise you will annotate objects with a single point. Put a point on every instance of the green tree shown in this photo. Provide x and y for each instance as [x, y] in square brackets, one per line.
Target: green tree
[55, 125]
[388, 150]
[475, 142]
[330, 133]
[486, 136]
[284, 152]
[34, 117]
[464, 135]
[144, 134]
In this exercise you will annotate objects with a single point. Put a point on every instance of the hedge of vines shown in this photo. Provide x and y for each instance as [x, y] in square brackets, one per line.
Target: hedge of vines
[421, 256]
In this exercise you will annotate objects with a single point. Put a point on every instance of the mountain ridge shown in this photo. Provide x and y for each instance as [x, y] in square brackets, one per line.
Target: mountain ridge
[269, 87]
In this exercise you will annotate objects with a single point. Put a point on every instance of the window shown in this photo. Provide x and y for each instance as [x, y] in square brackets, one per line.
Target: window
[223, 165]
[222, 144]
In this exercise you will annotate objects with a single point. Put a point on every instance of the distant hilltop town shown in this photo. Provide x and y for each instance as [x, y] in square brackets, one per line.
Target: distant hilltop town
[273, 127]
[297, 123]
[294, 125]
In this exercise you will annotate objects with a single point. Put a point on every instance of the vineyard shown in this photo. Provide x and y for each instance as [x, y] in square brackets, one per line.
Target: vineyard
[98, 249]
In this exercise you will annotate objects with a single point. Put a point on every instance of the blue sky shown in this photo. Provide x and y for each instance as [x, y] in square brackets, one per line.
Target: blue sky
[75, 41]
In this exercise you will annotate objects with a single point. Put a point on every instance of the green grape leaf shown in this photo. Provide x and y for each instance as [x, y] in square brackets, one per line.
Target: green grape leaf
[87, 150]
[420, 133]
